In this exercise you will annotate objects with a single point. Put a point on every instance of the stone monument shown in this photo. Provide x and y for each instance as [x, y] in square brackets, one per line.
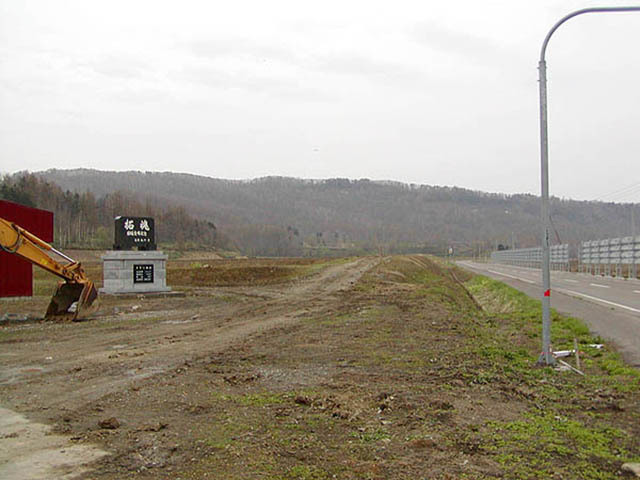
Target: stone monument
[134, 265]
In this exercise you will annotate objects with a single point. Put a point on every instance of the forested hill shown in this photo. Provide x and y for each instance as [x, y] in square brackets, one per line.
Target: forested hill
[354, 213]
[82, 220]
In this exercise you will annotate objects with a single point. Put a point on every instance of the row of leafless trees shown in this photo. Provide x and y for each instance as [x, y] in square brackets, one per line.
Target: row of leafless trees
[84, 221]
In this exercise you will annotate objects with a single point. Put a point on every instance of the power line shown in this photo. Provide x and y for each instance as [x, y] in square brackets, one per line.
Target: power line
[629, 195]
[621, 193]
[617, 191]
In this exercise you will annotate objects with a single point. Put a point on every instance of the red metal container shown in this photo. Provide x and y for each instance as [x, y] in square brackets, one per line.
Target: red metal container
[16, 274]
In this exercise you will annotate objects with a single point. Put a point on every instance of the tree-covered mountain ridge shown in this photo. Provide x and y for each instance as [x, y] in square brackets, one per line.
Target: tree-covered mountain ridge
[370, 214]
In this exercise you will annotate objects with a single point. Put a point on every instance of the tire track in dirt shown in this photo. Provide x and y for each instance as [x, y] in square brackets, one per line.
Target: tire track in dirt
[62, 368]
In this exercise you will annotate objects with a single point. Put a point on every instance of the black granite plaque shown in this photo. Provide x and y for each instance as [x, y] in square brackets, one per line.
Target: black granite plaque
[143, 273]
[134, 232]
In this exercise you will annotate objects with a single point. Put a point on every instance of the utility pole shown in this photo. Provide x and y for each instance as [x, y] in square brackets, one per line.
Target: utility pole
[634, 266]
[546, 357]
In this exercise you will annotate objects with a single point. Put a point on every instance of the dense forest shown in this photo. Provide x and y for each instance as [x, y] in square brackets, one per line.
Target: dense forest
[289, 216]
[82, 220]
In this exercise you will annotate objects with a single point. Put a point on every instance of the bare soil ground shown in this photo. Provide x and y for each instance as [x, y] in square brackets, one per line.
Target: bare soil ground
[63, 373]
[367, 368]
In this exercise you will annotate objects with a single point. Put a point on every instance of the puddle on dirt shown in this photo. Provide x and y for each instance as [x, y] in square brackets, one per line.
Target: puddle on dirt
[142, 373]
[9, 376]
[180, 322]
[30, 450]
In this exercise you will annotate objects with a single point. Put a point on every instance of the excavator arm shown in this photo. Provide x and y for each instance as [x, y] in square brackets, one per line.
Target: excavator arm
[74, 297]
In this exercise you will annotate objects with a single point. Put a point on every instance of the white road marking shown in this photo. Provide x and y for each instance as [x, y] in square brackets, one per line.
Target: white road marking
[569, 280]
[619, 305]
[512, 276]
[571, 292]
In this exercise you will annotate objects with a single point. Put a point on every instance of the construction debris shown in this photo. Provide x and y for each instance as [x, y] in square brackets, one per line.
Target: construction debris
[570, 367]
[633, 468]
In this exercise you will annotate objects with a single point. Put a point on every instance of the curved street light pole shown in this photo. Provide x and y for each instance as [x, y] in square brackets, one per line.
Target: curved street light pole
[546, 357]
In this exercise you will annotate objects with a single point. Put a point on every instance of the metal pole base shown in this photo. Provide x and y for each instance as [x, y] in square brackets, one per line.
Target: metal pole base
[546, 360]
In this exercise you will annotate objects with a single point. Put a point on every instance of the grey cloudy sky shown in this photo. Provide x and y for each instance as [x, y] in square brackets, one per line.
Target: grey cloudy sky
[440, 93]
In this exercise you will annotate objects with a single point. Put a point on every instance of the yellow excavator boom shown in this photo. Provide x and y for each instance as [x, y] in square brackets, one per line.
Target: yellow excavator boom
[73, 297]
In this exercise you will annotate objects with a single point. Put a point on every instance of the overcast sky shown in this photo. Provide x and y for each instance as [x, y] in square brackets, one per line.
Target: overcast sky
[441, 93]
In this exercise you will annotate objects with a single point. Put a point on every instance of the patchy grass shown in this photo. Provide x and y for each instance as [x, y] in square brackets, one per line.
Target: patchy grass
[252, 399]
[523, 323]
[576, 427]
[409, 374]
[548, 445]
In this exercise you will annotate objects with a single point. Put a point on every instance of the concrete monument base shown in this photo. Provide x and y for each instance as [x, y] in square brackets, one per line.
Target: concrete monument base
[131, 271]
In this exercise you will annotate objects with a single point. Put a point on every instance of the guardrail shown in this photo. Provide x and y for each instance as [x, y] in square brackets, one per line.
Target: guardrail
[532, 257]
[612, 257]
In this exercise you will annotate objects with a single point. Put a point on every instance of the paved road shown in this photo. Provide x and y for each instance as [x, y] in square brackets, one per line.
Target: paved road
[609, 306]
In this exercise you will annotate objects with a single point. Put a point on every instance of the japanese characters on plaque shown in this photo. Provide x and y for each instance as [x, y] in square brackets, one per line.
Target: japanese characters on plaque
[143, 273]
[134, 232]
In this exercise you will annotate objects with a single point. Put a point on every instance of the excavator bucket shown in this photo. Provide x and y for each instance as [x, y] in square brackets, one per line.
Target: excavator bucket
[72, 301]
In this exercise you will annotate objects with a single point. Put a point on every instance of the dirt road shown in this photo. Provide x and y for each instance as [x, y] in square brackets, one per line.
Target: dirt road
[61, 374]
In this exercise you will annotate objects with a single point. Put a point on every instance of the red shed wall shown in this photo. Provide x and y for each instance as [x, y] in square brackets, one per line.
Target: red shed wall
[16, 274]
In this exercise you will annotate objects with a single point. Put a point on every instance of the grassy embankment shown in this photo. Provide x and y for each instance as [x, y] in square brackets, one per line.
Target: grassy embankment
[409, 378]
